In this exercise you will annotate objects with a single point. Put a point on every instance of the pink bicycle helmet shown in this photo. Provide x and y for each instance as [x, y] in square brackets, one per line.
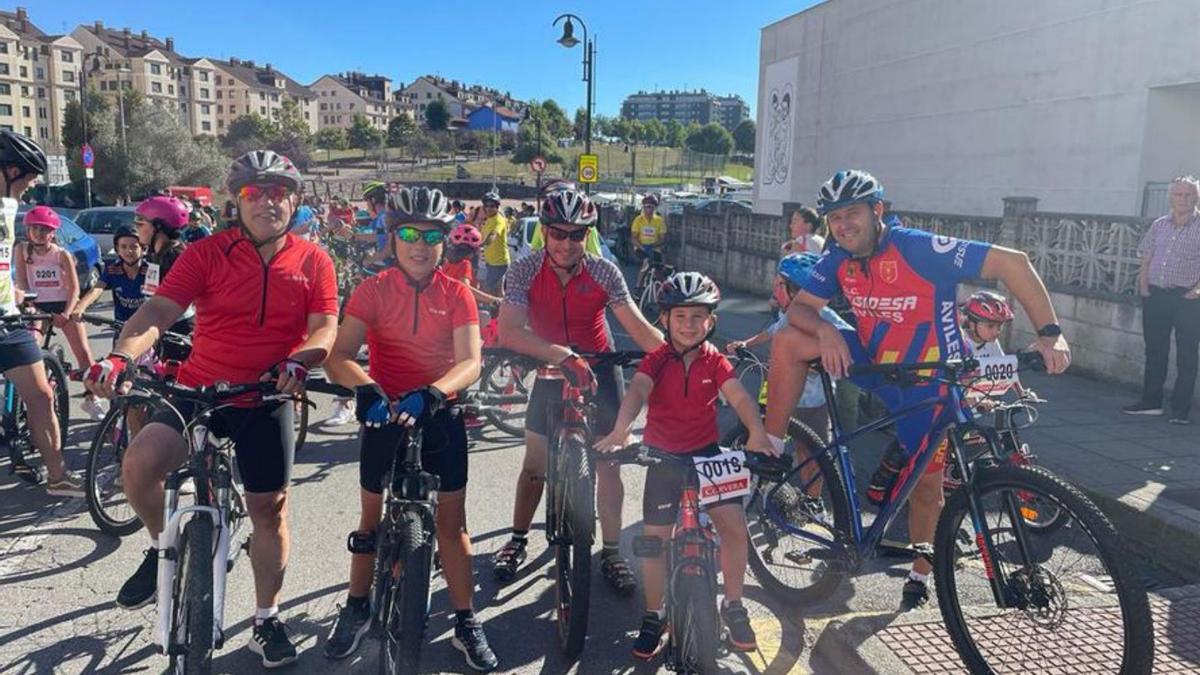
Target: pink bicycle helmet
[466, 234]
[43, 215]
[168, 213]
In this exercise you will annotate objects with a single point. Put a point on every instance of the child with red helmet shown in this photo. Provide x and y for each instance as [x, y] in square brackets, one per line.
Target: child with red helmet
[984, 316]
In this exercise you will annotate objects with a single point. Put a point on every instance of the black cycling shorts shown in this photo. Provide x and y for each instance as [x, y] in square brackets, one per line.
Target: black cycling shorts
[443, 452]
[664, 487]
[607, 400]
[51, 307]
[264, 440]
[18, 347]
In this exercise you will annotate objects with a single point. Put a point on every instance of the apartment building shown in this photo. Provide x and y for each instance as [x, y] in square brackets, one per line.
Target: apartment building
[39, 75]
[341, 97]
[243, 87]
[686, 107]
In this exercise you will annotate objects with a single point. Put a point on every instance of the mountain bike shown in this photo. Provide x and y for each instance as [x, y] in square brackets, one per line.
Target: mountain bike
[201, 542]
[503, 391]
[1003, 595]
[404, 550]
[650, 285]
[691, 591]
[14, 422]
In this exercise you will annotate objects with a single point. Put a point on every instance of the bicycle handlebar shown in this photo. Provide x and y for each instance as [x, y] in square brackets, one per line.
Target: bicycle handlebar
[620, 358]
[25, 318]
[644, 455]
[213, 394]
[954, 367]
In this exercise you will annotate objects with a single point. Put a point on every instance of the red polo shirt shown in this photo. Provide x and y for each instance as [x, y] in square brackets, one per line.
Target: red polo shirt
[681, 412]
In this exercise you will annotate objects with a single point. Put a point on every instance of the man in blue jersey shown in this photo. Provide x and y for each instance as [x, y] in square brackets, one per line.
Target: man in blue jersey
[901, 285]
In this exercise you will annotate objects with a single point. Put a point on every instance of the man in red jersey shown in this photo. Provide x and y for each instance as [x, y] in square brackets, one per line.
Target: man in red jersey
[266, 307]
[554, 302]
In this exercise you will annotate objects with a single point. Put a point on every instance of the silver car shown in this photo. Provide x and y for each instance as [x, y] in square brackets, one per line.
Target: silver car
[102, 221]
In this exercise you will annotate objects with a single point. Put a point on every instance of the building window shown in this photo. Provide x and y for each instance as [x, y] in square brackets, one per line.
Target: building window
[44, 132]
[323, 106]
[156, 87]
[4, 70]
[28, 131]
[41, 73]
[218, 94]
[155, 69]
[262, 110]
[220, 109]
[41, 113]
[68, 76]
[41, 92]
[262, 96]
[68, 57]
[203, 93]
[24, 90]
[171, 89]
[69, 94]
[5, 109]
[205, 109]
[4, 50]
[204, 76]
[220, 124]
[5, 89]
[218, 80]
[206, 126]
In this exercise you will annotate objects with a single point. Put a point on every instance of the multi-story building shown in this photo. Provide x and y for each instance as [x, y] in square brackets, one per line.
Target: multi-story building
[460, 98]
[39, 75]
[121, 59]
[686, 107]
[341, 97]
[242, 88]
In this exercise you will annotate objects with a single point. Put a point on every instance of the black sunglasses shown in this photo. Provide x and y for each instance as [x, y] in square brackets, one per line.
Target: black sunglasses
[558, 234]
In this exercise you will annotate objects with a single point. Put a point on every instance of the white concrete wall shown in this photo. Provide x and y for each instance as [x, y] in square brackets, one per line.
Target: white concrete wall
[955, 104]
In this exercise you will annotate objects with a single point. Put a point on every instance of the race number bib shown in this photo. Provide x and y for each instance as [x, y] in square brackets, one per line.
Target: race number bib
[649, 233]
[996, 375]
[46, 278]
[153, 277]
[723, 476]
[6, 251]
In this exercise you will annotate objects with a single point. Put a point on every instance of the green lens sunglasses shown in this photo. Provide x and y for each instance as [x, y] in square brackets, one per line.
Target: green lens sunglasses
[411, 235]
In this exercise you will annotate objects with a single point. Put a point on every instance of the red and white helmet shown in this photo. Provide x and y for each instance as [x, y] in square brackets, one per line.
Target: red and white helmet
[44, 216]
[466, 234]
[168, 213]
[988, 306]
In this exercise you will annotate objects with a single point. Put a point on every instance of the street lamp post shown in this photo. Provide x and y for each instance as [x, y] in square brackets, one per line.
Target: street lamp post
[121, 106]
[569, 40]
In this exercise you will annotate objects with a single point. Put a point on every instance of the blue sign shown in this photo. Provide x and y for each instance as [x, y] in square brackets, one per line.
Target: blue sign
[89, 157]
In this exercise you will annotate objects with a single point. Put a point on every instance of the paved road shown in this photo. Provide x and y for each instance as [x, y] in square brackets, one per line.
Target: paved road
[60, 576]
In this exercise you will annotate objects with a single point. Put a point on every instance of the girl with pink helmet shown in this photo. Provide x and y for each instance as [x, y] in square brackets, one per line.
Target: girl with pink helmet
[159, 222]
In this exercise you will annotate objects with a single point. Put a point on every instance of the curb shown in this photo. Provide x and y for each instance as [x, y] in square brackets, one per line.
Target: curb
[1169, 545]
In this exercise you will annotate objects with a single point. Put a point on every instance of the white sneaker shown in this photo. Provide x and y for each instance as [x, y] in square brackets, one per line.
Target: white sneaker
[343, 415]
[93, 408]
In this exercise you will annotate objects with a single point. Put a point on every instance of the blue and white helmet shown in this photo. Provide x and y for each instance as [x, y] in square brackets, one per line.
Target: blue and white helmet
[796, 267]
[852, 186]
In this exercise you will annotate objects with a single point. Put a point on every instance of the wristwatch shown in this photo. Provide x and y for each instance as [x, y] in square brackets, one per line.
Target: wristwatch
[1050, 330]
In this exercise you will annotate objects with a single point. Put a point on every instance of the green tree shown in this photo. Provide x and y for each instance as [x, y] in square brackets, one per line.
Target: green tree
[711, 139]
[555, 120]
[331, 138]
[400, 130]
[653, 131]
[674, 134]
[363, 135]
[743, 137]
[293, 138]
[581, 124]
[437, 115]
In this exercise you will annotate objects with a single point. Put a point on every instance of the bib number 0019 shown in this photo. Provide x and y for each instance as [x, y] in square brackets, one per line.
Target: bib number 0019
[721, 477]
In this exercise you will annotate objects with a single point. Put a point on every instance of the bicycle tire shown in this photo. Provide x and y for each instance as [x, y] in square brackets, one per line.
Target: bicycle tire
[56, 374]
[765, 536]
[402, 643]
[301, 424]
[101, 469]
[695, 630]
[1135, 622]
[573, 558]
[512, 423]
[648, 301]
[194, 599]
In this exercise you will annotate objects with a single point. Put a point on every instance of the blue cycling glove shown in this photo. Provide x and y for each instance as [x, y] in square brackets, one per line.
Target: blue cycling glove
[371, 406]
[417, 406]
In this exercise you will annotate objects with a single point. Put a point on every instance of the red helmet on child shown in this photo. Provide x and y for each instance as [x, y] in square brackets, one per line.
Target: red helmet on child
[988, 306]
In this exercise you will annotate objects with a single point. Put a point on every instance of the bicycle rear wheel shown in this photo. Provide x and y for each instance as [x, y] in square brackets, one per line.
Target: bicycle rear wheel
[695, 631]
[404, 630]
[1065, 591]
[573, 553]
[56, 374]
[192, 624]
[507, 379]
[106, 501]
[799, 569]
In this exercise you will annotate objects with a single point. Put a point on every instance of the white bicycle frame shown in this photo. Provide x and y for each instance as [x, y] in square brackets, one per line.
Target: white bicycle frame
[174, 521]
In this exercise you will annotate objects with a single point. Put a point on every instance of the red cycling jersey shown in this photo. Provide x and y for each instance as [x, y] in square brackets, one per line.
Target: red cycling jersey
[410, 330]
[570, 314]
[250, 315]
[681, 414]
[459, 271]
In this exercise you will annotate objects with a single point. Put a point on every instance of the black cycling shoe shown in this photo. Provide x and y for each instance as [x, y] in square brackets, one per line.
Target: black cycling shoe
[914, 596]
[471, 641]
[616, 571]
[139, 589]
[649, 639]
[507, 560]
[270, 641]
[741, 634]
[353, 622]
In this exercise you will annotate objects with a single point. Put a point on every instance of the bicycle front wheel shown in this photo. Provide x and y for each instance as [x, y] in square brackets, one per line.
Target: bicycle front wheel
[192, 624]
[507, 379]
[573, 553]
[300, 424]
[694, 630]
[106, 501]
[404, 631]
[1064, 592]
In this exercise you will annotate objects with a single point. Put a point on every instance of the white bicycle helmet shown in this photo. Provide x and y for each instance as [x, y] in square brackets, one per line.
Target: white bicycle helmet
[685, 289]
[419, 205]
[848, 187]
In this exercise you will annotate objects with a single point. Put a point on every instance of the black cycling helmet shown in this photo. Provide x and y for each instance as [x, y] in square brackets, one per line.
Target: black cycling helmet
[123, 232]
[23, 152]
[263, 166]
[491, 197]
[374, 191]
[688, 289]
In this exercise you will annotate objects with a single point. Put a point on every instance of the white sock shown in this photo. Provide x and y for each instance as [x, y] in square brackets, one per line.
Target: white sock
[263, 613]
[914, 576]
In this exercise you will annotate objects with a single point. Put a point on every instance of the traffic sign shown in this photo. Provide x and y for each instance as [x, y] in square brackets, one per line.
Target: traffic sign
[537, 164]
[89, 173]
[89, 157]
[589, 168]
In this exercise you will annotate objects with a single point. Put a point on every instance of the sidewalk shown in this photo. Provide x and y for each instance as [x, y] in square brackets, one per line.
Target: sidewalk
[1143, 472]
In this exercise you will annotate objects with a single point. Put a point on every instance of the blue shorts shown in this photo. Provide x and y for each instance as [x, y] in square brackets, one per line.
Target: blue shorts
[914, 431]
[18, 348]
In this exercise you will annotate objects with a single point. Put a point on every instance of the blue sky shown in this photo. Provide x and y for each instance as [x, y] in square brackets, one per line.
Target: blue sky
[508, 45]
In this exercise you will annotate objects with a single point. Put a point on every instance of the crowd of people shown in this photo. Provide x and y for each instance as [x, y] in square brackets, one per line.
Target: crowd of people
[259, 296]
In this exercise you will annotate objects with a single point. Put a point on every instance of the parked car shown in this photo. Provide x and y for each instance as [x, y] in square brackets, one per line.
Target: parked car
[71, 237]
[719, 206]
[102, 221]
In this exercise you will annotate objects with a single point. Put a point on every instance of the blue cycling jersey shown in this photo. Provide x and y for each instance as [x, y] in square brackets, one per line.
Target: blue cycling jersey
[127, 292]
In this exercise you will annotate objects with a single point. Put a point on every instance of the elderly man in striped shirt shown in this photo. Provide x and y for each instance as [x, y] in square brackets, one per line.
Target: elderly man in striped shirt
[1169, 283]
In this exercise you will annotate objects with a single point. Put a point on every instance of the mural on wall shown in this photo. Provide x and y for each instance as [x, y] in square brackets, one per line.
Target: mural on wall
[779, 103]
